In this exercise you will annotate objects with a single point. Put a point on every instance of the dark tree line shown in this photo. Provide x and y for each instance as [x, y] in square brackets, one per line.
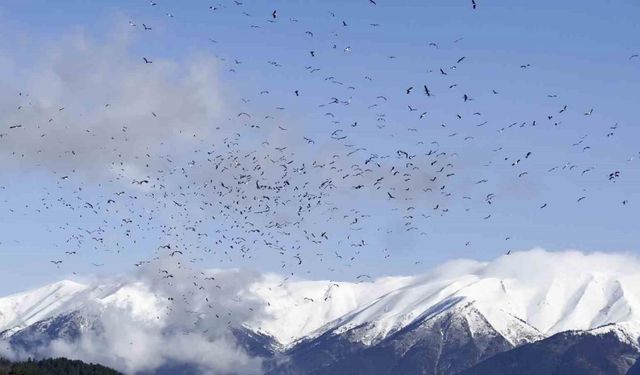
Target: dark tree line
[57, 366]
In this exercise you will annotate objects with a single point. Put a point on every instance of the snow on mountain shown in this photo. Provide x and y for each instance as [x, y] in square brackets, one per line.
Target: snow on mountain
[626, 332]
[296, 309]
[23, 309]
[290, 309]
[523, 296]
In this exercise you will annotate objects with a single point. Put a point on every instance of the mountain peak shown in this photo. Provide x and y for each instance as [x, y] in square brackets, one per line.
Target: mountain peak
[514, 300]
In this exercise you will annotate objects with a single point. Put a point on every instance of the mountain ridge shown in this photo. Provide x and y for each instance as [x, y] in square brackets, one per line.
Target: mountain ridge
[448, 320]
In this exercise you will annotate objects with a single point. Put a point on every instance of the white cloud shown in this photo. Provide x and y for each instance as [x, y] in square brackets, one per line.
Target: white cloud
[131, 345]
[540, 264]
[109, 96]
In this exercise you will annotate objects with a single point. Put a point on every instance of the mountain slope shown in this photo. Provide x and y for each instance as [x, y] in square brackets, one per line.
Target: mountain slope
[564, 353]
[446, 342]
[572, 298]
[548, 292]
[23, 309]
[462, 314]
[446, 321]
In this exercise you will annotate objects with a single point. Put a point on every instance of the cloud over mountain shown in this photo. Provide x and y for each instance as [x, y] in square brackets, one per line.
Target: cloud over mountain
[166, 314]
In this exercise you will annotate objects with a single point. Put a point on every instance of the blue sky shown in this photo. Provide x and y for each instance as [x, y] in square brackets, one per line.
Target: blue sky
[577, 51]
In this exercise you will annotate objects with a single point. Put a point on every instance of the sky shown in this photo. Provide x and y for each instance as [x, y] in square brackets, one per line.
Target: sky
[210, 64]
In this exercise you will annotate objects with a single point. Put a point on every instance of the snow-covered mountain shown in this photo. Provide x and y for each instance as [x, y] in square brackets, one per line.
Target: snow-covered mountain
[22, 310]
[445, 321]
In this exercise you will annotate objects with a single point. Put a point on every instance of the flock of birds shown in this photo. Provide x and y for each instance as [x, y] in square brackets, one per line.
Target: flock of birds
[269, 190]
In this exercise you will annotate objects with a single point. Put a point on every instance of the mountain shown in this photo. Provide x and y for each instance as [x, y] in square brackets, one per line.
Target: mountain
[560, 311]
[19, 311]
[588, 352]
[463, 314]
[451, 339]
